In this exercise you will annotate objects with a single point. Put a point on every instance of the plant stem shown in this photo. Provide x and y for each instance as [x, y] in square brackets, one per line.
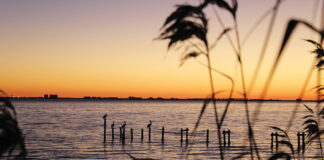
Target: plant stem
[264, 48]
[318, 107]
[250, 130]
[223, 27]
[230, 94]
[319, 72]
[318, 88]
[300, 96]
[214, 104]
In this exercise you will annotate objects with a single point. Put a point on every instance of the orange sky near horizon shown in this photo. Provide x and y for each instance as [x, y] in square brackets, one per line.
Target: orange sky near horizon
[106, 49]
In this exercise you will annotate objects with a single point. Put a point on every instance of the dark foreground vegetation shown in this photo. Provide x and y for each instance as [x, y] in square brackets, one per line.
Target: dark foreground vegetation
[188, 27]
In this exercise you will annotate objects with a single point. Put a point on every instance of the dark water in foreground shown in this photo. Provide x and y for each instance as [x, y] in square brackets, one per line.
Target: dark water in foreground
[74, 129]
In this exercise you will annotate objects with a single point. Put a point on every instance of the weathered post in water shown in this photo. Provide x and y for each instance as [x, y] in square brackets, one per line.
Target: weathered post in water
[207, 137]
[229, 137]
[277, 144]
[272, 141]
[112, 134]
[124, 135]
[131, 135]
[298, 141]
[187, 139]
[162, 139]
[224, 137]
[149, 134]
[112, 131]
[181, 139]
[303, 141]
[120, 133]
[123, 132]
[149, 127]
[105, 123]
[142, 135]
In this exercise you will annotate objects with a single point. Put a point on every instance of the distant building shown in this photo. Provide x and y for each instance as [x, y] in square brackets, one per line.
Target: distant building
[135, 98]
[53, 96]
[45, 96]
[111, 98]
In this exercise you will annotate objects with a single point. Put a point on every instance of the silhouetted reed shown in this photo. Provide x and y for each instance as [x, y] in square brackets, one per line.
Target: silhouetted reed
[11, 138]
[189, 22]
[312, 127]
[289, 31]
[188, 25]
[284, 141]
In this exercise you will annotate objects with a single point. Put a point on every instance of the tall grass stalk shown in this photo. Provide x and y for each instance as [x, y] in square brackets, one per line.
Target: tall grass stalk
[214, 106]
[219, 19]
[274, 11]
[250, 128]
[11, 137]
[291, 26]
[289, 31]
[238, 54]
[319, 51]
[300, 96]
[189, 22]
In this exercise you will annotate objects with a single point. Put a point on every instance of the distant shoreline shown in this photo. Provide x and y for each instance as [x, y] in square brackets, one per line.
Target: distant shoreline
[149, 99]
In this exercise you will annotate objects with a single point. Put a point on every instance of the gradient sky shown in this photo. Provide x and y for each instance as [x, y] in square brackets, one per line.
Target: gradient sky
[106, 48]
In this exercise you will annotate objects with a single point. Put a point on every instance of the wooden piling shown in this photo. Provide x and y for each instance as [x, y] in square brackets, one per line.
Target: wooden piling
[298, 141]
[181, 139]
[207, 137]
[105, 124]
[162, 139]
[224, 137]
[120, 133]
[142, 134]
[149, 134]
[229, 137]
[303, 141]
[132, 135]
[187, 139]
[124, 135]
[277, 144]
[272, 141]
[112, 133]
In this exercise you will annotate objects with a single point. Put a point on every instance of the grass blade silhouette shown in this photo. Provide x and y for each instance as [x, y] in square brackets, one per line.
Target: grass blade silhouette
[280, 155]
[280, 130]
[265, 45]
[289, 31]
[238, 54]
[309, 109]
[178, 28]
[312, 128]
[11, 137]
[288, 143]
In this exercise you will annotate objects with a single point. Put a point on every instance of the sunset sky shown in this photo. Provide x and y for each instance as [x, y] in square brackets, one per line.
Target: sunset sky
[106, 48]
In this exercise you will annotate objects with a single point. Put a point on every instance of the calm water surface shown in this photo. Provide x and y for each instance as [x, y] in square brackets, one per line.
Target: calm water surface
[74, 129]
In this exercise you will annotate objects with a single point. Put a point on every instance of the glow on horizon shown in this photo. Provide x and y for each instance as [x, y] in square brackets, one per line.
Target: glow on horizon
[106, 49]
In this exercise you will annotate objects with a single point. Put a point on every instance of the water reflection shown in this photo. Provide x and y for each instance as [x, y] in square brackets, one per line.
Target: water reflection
[74, 129]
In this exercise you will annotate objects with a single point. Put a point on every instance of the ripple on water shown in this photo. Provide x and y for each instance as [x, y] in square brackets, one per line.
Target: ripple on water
[74, 129]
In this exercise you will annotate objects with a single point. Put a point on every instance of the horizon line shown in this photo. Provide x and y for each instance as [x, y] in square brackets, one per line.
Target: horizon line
[149, 98]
